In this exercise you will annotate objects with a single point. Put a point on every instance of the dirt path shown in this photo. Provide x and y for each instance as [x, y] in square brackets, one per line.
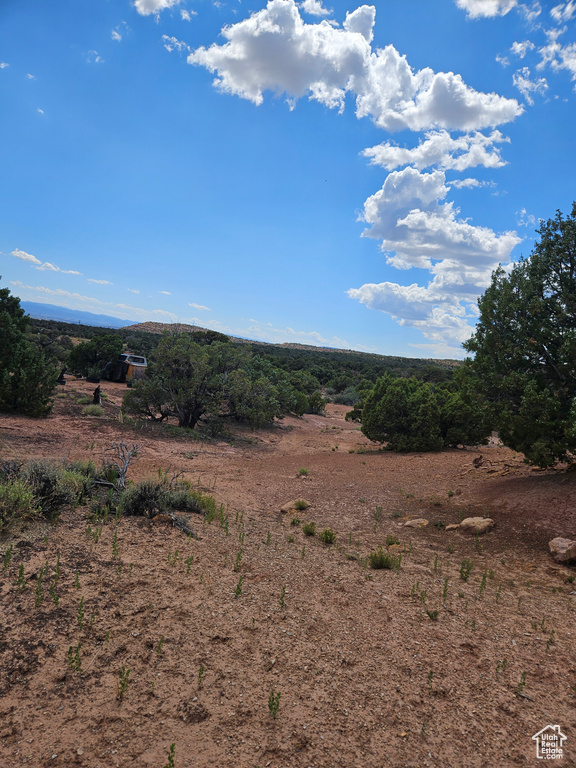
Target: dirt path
[374, 667]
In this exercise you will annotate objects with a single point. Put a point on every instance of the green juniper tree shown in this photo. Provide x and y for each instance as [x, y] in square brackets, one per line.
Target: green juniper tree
[525, 346]
[26, 380]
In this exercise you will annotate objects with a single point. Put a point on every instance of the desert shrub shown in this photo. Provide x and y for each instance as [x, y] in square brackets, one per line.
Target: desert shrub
[16, 502]
[53, 486]
[350, 396]
[152, 497]
[86, 468]
[10, 469]
[301, 505]
[391, 539]
[328, 536]
[380, 559]
[93, 410]
[316, 404]
[295, 521]
[309, 529]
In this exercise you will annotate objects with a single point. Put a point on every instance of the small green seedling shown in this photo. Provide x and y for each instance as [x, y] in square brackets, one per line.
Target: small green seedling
[445, 590]
[122, 682]
[328, 537]
[465, 569]
[22, 581]
[238, 590]
[39, 597]
[74, 660]
[171, 756]
[80, 614]
[483, 582]
[274, 703]
[238, 562]
[309, 529]
[7, 557]
[189, 562]
[430, 679]
[282, 594]
[76, 580]
[522, 683]
[160, 645]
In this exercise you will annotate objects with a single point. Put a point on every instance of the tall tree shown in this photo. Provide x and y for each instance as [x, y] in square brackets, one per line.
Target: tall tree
[525, 346]
[26, 381]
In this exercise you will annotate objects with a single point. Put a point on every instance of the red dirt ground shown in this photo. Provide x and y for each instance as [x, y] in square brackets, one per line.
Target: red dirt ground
[368, 675]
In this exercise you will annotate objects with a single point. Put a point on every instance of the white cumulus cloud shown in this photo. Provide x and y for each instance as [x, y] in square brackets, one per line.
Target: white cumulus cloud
[314, 8]
[521, 49]
[486, 8]
[418, 229]
[4, 64]
[149, 7]
[275, 50]
[442, 150]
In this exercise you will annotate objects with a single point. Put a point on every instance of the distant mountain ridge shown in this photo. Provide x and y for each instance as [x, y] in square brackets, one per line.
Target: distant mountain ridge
[65, 315]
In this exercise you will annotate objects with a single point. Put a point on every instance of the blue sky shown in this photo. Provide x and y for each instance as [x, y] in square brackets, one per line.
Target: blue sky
[324, 173]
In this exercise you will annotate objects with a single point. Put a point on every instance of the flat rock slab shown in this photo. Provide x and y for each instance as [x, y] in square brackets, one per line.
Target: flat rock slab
[418, 522]
[563, 550]
[477, 525]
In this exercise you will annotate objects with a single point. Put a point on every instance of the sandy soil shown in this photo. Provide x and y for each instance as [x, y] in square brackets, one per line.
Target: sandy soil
[368, 674]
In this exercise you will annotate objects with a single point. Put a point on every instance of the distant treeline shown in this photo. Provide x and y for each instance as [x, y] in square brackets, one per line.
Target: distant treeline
[335, 371]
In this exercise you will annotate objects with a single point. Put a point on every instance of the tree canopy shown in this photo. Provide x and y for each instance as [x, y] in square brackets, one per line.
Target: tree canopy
[26, 380]
[525, 346]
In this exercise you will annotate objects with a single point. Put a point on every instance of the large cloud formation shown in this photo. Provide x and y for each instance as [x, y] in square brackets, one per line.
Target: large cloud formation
[275, 50]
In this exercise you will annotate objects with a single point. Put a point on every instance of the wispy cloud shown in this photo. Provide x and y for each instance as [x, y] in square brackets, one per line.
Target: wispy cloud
[30, 77]
[173, 44]
[44, 266]
[199, 307]
[4, 64]
[132, 290]
[93, 57]
[527, 87]
[90, 303]
[165, 293]
[99, 282]
[23, 256]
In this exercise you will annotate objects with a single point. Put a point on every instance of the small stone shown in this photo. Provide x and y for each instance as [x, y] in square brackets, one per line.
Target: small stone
[452, 527]
[477, 525]
[562, 550]
[418, 522]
